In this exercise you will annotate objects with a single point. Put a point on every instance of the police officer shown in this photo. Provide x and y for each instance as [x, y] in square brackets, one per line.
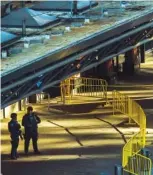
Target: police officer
[30, 122]
[15, 132]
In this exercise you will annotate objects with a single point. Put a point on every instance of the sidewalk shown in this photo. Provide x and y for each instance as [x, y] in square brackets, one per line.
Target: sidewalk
[83, 143]
[71, 144]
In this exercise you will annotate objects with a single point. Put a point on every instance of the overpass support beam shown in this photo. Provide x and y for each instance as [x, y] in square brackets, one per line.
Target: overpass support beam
[132, 61]
[117, 63]
[142, 52]
[19, 105]
[104, 71]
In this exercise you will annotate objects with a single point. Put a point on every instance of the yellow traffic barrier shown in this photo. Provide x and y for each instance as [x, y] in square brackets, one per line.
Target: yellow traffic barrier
[132, 161]
[81, 86]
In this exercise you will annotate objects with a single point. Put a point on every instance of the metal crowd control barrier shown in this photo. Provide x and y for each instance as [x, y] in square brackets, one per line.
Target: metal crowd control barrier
[83, 87]
[132, 161]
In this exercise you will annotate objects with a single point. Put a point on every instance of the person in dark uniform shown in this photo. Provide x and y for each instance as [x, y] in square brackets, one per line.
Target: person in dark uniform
[30, 122]
[14, 129]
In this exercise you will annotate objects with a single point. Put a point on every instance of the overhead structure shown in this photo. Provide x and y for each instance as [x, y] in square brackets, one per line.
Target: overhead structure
[31, 19]
[53, 66]
[7, 38]
[65, 6]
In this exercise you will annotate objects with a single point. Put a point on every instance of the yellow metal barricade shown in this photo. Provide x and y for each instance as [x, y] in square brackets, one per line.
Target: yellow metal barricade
[66, 88]
[82, 86]
[132, 161]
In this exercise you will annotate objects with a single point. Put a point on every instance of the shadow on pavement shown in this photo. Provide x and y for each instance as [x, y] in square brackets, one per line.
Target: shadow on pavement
[82, 164]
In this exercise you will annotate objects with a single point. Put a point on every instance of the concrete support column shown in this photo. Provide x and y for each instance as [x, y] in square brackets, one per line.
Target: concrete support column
[4, 113]
[113, 63]
[19, 105]
[24, 104]
[103, 70]
[142, 53]
[33, 99]
[132, 61]
[117, 63]
[128, 65]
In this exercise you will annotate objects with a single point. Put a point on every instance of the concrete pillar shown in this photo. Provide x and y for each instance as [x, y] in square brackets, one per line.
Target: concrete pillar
[132, 61]
[33, 99]
[142, 52]
[117, 63]
[24, 104]
[113, 63]
[105, 68]
[128, 65]
[4, 113]
[19, 105]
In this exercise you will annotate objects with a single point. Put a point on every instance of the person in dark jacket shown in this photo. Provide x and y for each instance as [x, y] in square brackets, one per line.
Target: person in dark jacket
[14, 129]
[30, 122]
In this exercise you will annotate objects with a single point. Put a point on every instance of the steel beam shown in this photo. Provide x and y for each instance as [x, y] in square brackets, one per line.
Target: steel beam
[84, 44]
[71, 59]
[82, 69]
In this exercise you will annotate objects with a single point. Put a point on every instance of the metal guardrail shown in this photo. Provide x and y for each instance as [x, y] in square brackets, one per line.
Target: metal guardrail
[132, 161]
[90, 87]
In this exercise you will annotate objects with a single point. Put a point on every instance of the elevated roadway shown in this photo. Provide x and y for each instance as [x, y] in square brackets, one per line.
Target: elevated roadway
[38, 68]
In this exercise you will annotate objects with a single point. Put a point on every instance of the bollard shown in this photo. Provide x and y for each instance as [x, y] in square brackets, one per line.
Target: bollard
[118, 170]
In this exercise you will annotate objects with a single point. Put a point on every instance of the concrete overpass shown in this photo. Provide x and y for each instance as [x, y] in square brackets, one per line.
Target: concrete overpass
[33, 70]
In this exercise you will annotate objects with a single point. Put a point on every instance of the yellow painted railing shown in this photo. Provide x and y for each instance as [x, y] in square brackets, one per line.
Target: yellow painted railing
[82, 86]
[132, 161]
